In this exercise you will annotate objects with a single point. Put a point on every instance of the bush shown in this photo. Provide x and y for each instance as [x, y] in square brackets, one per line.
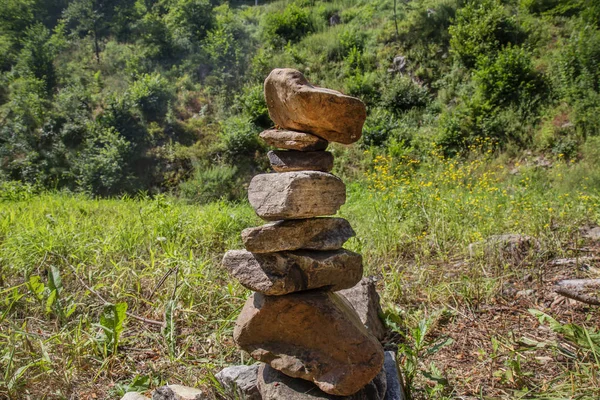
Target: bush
[482, 28]
[288, 26]
[254, 105]
[240, 137]
[152, 94]
[102, 167]
[403, 94]
[509, 79]
[211, 184]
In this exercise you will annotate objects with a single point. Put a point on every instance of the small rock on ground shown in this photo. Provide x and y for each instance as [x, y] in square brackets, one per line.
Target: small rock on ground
[240, 380]
[134, 396]
[177, 392]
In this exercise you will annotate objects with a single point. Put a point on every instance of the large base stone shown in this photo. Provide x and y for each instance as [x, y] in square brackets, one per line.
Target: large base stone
[313, 335]
[310, 234]
[293, 140]
[295, 104]
[276, 274]
[296, 195]
[274, 385]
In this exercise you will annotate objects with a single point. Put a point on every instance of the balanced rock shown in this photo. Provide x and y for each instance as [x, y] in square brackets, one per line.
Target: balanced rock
[313, 335]
[293, 140]
[296, 195]
[286, 161]
[295, 104]
[273, 385]
[276, 274]
[311, 234]
[365, 300]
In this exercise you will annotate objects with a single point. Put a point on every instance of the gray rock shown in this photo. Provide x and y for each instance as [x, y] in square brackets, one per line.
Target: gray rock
[296, 195]
[287, 161]
[395, 383]
[295, 104]
[293, 140]
[313, 335]
[274, 385]
[365, 300]
[276, 274]
[240, 380]
[593, 233]
[177, 392]
[134, 396]
[310, 234]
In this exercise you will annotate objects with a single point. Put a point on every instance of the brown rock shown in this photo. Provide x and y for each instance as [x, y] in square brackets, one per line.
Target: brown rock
[311, 234]
[273, 385]
[293, 140]
[365, 300]
[297, 105]
[313, 335]
[296, 195]
[276, 274]
[286, 161]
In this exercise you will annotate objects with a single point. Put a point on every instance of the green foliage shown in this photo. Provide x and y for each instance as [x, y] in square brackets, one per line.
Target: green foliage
[402, 94]
[112, 322]
[152, 94]
[240, 137]
[210, 184]
[509, 79]
[482, 28]
[254, 106]
[288, 26]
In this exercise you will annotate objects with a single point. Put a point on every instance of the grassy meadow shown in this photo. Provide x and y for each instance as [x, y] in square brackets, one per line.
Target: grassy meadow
[72, 265]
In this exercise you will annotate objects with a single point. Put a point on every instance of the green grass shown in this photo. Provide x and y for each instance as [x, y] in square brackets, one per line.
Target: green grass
[414, 224]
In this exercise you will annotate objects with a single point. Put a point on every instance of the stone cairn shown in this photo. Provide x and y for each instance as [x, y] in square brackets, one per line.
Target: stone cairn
[295, 323]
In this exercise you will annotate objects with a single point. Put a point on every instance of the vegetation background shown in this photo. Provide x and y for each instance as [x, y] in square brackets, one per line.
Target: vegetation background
[128, 130]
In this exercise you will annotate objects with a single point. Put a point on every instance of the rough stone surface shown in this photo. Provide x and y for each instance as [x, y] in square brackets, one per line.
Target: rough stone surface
[395, 385]
[365, 300]
[293, 140]
[273, 385]
[295, 104]
[296, 195]
[240, 381]
[312, 234]
[276, 274]
[286, 161]
[134, 396]
[593, 233]
[313, 335]
[177, 392]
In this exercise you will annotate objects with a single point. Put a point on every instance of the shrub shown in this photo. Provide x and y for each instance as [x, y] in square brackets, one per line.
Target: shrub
[211, 184]
[102, 167]
[289, 26]
[403, 94]
[254, 105]
[509, 79]
[481, 28]
[240, 137]
[152, 94]
[379, 127]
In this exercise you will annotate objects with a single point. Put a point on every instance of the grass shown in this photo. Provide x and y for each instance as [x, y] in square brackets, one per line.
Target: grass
[462, 319]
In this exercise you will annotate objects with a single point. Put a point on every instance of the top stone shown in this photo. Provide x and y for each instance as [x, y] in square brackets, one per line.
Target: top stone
[297, 105]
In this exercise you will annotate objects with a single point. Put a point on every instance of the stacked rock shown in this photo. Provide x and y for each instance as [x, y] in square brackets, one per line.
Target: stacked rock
[294, 322]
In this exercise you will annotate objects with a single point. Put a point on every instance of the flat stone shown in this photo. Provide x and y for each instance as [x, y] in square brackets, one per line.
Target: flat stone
[311, 234]
[315, 336]
[295, 104]
[286, 161]
[296, 195]
[134, 396]
[240, 381]
[177, 392]
[276, 274]
[395, 383]
[366, 302]
[293, 140]
[274, 385]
